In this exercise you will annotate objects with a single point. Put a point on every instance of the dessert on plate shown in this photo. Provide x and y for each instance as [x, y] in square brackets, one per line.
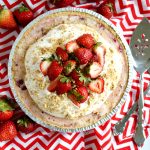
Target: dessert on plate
[69, 71]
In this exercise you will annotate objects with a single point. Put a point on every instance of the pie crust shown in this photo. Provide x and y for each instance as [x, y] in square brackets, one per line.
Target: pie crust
[40, 28]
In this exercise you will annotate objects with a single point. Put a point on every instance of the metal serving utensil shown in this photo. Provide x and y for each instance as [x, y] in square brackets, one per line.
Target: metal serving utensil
[119, 126]
[140, 43]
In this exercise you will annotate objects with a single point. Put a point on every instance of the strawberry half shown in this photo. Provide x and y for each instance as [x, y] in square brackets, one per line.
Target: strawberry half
[86, 40]
[73, 99]
[54, 70]
[62, 53]
[97, 85]
[64, 85]
[100, 51]
[6, 111]
[44, 66]
[78, 95]
[84, 55]
[69, 66]
[52, 86]
[7, 131]
[94, 69]
[75, 76]
[25, 125]
[71, 46]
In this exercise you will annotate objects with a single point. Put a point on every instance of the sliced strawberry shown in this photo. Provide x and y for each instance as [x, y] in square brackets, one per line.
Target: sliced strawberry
[71, 46]
[54, 70]
[44, 66]
[69, 66]
[100, 51]
[52, 86]
[75, 76]
[82, 90]
[86, 40]
[97, 85]
[94, 69]
[73, 99]
[78, 77]
[62, 53]
[80, 94]
[84, 55]
[64, 85]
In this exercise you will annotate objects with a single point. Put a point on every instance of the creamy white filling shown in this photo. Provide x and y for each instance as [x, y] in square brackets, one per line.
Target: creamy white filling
[61, 106]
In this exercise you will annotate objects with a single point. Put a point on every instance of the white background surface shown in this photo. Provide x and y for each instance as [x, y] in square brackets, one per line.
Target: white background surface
[146, 144]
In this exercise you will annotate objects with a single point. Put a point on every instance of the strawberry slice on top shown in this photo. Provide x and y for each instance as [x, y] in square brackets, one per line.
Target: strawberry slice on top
[97, 85]
[78, 95]
[86, 40]
[75, 76]
[52, 86]
[64, 85]
[71, 46]
[84, 55]
[94, 70]
[62, 53]
[54, 70]
[69, 66]
[100, 51]
[44, 66]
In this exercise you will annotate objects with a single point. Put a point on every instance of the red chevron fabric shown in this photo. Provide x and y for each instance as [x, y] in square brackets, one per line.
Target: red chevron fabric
[128, 13]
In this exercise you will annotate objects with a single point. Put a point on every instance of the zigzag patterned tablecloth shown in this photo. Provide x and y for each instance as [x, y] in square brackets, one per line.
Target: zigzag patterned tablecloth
[128, 13]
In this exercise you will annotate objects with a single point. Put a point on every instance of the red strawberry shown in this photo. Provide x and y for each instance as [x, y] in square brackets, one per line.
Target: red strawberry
[62, 53]
[100, 51]
[54, 70]
[97, 85]
[62, 3]
[23, 15]
[64, 85]
[75, 76]
[84, 55]
[71, 46]
[80, 95]
[52, 86]
[25, 125]
[86, 40]
[44, 66]
[106, 9]
[94, 69]
[69, 66]
[6, 19]
[6, 111]
[7, 131]
[73, 99]
[82, 90]
[95, 58]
